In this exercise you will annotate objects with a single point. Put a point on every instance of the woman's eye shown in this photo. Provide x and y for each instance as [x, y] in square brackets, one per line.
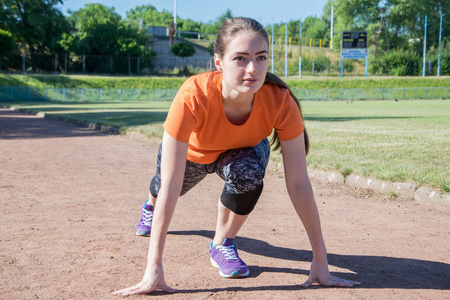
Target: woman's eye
[239, 58]
[262, 58]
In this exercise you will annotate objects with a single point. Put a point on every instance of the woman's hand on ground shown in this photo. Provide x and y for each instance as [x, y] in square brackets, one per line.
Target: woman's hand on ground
[154, 281]
[319, 274]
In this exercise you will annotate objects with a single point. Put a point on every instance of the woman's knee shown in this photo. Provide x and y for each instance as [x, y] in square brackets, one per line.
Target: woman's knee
[243, 203]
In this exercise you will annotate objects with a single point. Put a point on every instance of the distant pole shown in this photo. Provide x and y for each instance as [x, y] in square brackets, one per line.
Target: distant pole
[367, 65]
[332, 25]
[286, 53]
[425, 46]
[175, 14]
[440, 37]
[300, 59]
[272, 49]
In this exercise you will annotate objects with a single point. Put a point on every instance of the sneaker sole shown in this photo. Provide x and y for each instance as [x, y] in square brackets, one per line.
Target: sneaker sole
[142, 234]
[234, 274]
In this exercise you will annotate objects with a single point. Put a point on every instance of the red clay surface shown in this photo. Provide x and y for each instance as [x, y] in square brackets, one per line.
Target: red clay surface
[71, 197]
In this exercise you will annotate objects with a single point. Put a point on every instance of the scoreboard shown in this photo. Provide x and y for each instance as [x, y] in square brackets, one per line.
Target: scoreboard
[354, 45]
[354, 40]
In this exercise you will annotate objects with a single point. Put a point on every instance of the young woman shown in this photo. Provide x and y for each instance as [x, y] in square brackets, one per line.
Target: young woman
[219, 123]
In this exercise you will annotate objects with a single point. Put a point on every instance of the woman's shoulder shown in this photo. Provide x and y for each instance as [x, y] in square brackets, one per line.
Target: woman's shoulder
[200, 89]
[273, 92]
[203, 82]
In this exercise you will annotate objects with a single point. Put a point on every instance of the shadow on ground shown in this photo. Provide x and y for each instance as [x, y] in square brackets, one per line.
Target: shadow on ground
[14, 125]
[398, 273]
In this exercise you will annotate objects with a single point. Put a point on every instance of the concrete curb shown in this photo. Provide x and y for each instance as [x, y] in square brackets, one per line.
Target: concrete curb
[403, 190]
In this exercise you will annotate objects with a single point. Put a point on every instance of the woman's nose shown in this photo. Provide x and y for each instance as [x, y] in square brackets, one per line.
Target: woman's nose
[251, 67]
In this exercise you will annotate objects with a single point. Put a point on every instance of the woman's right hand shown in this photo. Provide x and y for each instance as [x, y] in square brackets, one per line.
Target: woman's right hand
[153, 281]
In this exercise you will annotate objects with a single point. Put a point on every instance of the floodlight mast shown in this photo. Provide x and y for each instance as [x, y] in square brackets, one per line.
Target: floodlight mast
[175, 14]
[425, 47]
[440, 38]
[332, 24]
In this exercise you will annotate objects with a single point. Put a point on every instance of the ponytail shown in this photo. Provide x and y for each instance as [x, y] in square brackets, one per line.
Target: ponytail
[274, 79]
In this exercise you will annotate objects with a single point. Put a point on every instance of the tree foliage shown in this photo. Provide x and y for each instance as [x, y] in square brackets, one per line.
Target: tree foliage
[149, 16]
[183, 49]
[7, 43]
[405, 20]
[99, 30]
[36, 25]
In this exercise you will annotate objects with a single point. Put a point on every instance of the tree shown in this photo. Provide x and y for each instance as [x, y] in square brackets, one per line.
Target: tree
[189, 25]
[314, 28]
[149, 16]
[99, 30]
[7, 42]
[36, 25]
[7, 45]
[183, 50]
[95, 31]
[405, 20]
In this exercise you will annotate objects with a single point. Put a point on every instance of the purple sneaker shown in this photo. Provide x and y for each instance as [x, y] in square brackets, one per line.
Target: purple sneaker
[145, 224]
[226, 258]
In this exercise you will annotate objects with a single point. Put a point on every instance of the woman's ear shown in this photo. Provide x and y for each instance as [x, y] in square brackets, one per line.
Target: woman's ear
[217, 62]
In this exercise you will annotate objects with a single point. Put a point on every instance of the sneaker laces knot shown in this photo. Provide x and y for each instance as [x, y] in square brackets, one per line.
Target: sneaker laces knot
[229, 252]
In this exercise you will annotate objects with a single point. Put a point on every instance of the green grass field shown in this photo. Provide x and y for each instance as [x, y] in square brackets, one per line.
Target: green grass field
[153, 82]
[389, 140]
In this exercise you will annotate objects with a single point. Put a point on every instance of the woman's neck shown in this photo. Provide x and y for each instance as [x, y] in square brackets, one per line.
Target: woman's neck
[238, 109]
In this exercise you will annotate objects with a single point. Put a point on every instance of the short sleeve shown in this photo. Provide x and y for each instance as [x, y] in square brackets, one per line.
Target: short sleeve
[180, 120]
[289, 123]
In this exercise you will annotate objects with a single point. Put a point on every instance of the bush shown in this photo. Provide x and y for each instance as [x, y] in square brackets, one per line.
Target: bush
[401, 63]
[211, 49]
[183, 49]
[445, 63]
[321, 63]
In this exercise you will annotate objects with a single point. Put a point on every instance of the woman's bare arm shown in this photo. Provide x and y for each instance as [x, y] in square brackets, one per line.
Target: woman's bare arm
[301, 194]
[173, 164]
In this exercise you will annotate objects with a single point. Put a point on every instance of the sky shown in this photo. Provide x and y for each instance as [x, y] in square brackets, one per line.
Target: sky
[264, 11]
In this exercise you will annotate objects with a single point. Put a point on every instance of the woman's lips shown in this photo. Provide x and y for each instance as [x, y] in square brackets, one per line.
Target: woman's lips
[250, 80]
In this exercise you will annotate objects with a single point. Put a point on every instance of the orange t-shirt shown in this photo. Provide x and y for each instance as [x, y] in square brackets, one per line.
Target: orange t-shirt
[197, 117]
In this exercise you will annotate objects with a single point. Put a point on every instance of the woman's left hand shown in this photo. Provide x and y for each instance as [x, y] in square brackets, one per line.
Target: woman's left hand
[319, 274]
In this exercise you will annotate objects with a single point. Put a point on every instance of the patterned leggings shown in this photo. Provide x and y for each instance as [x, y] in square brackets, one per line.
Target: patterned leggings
[242, 170]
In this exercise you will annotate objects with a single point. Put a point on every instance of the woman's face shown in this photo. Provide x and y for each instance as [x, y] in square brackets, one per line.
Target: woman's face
[244, 64]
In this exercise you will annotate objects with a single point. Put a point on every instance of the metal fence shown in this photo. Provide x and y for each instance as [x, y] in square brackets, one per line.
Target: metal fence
[23, 94]
[373, 94]
[169, 64]
[75, 64]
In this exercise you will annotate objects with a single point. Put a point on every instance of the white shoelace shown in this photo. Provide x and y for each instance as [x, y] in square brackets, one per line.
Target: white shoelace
[147, 218]
[228, 252]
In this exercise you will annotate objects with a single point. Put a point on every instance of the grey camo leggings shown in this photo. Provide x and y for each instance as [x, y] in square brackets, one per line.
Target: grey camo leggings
[242, 170]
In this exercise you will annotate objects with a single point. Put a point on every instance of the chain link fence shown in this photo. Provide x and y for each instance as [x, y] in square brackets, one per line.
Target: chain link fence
[75, 64]
[312, 64]
[23, 94]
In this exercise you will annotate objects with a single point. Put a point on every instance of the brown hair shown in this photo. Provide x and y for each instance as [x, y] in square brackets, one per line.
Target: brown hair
[228, 30]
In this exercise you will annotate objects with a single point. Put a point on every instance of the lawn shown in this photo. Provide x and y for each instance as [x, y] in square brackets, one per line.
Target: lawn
[389, 140]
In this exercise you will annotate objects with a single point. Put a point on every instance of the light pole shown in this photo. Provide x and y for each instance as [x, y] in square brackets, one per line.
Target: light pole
[440, 37]
[425, 46]
[300, 58]
[332, 24]
[286, 52]
[175, 15]
[272, 49]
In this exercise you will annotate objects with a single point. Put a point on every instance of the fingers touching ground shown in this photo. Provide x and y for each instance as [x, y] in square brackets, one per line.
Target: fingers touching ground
[332, 281]
[138, 289]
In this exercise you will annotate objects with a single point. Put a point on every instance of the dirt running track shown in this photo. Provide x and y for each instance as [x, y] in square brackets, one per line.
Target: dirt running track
[71, 197]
